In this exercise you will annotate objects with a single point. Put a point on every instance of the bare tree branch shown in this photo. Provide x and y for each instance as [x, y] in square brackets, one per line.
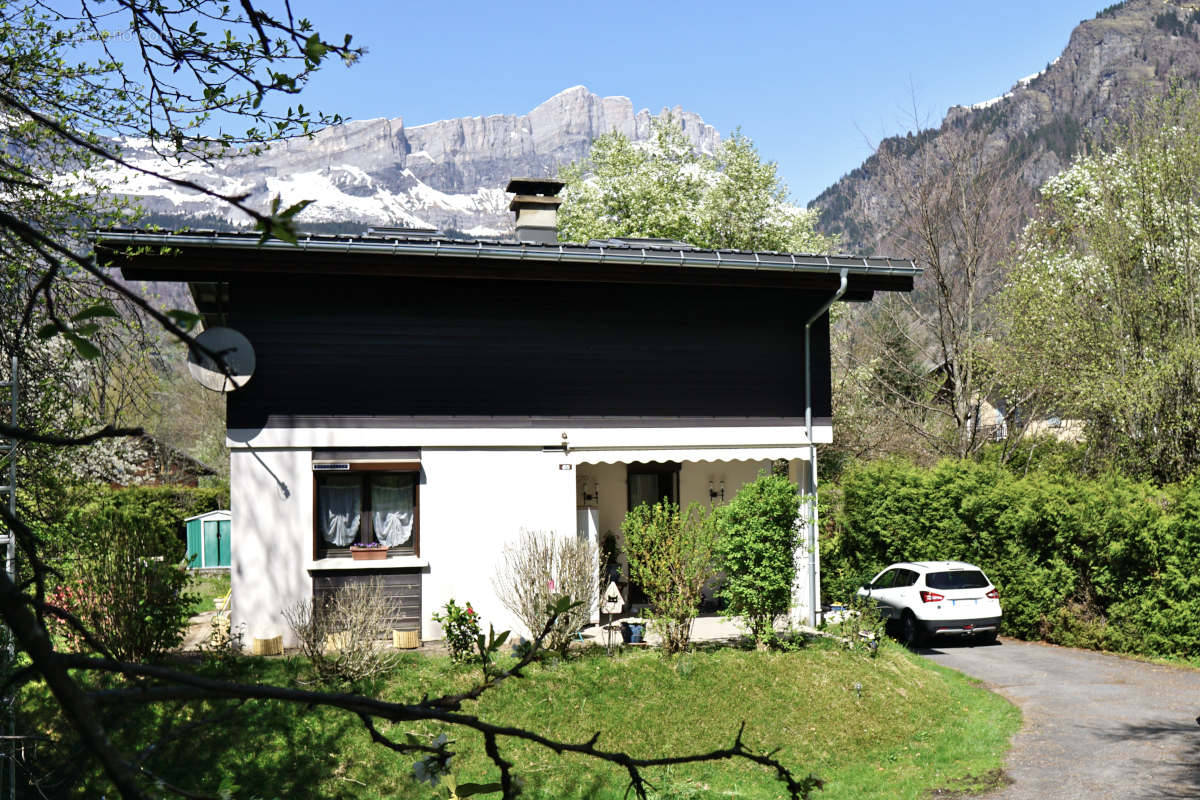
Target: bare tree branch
[26, 435]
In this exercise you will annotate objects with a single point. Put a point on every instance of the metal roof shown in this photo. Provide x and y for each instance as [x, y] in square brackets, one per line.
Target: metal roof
[419, 243]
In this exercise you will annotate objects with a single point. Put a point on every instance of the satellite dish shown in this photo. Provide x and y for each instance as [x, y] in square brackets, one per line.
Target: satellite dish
[233, 348]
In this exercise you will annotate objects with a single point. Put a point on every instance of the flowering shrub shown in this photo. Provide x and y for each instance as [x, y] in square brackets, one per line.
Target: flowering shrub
[537, 569]
[74, 597]
[461, 629]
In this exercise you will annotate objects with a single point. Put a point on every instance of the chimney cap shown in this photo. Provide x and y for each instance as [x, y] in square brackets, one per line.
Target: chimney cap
[534, 201]
[535, 186]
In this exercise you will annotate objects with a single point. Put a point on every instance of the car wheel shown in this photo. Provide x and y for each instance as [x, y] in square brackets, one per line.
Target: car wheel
[910, 631]
[988, 637]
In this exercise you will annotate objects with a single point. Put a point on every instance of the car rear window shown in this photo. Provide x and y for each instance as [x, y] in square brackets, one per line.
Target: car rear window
[956, 579]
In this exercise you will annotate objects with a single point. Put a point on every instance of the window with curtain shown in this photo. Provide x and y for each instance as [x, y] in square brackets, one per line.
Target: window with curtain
[359, 508]
[339, 500]
[392, 509]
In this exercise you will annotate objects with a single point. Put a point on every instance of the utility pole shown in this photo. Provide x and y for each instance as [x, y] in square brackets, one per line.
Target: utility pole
[8, 486]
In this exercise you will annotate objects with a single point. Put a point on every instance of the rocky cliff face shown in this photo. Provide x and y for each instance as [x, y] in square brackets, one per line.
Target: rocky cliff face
[1127, 51]
[448, 175]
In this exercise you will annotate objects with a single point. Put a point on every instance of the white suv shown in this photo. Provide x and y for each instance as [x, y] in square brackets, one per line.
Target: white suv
[935, 597]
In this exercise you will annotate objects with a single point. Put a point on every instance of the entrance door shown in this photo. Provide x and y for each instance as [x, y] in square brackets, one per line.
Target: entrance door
[649, 483]
[224, 543]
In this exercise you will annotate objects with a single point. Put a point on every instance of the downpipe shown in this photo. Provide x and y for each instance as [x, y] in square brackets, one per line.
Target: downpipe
[811, 494]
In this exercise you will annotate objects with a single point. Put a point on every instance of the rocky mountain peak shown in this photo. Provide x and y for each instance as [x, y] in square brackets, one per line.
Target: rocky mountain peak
[1127, 51]
[448, 174]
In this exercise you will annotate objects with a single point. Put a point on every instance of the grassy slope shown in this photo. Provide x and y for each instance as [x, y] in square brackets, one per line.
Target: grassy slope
[915, 727]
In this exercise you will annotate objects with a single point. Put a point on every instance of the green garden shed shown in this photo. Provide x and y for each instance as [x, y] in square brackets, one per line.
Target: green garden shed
[208, 540]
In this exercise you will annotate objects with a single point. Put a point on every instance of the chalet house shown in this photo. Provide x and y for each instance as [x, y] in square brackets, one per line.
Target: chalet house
[146, 461]
[439, 396]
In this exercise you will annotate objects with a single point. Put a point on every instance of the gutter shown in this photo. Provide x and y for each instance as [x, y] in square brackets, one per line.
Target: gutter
[500, 251]
[811, 502]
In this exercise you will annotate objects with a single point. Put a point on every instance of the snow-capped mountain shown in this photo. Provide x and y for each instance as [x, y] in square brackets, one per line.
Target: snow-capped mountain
[448, 175]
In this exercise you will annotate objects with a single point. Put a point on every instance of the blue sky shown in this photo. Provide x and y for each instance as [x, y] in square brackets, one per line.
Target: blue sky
[813, 84]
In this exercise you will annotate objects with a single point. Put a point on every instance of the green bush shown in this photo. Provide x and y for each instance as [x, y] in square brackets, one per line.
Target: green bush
[125, 582]
[756, 549]
[671, 557]
[1107, 562]
[460, 627]
[164, 507]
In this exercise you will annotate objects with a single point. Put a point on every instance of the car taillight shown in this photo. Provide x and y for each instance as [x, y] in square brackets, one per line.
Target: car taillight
[993, 595]
[930, 597]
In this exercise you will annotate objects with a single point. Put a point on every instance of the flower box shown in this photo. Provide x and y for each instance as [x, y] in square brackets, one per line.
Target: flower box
[368, 553]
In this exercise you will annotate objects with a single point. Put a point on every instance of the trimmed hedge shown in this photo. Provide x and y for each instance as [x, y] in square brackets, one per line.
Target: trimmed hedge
[1107, 563]
[162, 508]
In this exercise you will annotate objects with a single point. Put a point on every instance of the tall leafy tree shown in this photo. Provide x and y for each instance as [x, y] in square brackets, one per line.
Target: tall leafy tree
[663, 188]
[922, 361]
[1103, 303]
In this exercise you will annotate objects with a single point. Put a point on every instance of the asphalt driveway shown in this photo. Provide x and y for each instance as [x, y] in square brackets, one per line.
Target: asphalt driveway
[1096, 726]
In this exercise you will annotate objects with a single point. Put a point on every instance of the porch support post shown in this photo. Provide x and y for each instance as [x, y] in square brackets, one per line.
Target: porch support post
[808, 503]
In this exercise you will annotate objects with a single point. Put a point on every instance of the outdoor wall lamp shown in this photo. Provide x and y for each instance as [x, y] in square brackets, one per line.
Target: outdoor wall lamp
[713, 494]
[593, 497]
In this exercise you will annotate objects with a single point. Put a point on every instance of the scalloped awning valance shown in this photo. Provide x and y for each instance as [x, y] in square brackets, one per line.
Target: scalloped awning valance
[789, 452]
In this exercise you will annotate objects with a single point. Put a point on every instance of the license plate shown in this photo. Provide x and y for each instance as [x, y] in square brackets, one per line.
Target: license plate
[969, 602]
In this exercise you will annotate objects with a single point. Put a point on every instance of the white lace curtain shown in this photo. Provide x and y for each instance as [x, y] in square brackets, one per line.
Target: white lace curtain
[392, 509]
[339, 503]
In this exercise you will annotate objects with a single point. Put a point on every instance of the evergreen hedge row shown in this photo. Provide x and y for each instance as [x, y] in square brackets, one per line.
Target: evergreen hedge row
[1109, 563]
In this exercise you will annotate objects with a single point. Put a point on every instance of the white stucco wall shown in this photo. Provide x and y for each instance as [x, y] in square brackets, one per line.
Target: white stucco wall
[271, 498]
[473, 500]
[472, 503]
[694, 477]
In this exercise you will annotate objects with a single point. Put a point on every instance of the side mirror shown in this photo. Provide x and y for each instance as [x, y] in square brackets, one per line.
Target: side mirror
[865, 590]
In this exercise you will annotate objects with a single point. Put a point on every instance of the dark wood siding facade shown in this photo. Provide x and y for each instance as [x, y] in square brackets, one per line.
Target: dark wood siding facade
[360, 346]
[402, 588]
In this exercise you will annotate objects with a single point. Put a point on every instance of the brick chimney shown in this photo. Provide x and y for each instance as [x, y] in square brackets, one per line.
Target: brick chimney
[536, 206]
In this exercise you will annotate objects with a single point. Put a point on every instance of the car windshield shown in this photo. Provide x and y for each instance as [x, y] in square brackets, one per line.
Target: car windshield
[956, 579]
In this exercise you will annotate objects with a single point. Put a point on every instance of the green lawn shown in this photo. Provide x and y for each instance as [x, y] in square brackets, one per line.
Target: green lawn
[914, 727]
[207, 587]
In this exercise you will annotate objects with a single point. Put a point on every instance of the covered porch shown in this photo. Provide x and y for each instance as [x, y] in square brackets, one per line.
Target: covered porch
[611, 482]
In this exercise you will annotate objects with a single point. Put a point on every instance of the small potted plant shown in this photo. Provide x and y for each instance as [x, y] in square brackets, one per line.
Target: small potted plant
[372, 551]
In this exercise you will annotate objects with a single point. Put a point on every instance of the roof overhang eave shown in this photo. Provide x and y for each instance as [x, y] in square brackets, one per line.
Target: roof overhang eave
[683, 258]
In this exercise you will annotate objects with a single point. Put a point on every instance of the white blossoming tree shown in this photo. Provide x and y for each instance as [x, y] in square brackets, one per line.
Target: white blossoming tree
[1103, 302]
[663, 188]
